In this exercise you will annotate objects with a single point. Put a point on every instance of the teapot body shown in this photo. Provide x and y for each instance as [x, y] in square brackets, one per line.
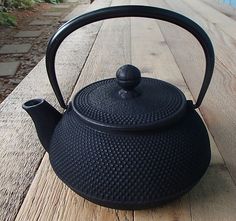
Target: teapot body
[130, 170]
[129, 142]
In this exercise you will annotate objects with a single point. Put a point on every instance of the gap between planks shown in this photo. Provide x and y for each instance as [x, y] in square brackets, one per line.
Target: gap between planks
[219, 105]
[70, 206]
[226, 9]
[201, 196]
[62, 203]
[20, 156]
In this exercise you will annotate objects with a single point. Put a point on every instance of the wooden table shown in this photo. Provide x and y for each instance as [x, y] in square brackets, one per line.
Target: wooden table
[29, 189]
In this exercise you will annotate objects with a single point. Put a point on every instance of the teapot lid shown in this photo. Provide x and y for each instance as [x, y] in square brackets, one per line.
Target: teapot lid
[130, 102]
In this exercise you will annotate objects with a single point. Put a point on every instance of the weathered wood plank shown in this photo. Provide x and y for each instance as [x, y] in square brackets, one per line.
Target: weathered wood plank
[221, 94]
[78, 10]
[20, 150]
[48, 198]
[217, 34]
[214, 197]
[222, 7]
[220, 113]
[151, 54]
[207, 197]
[222, 21]
[155, 58]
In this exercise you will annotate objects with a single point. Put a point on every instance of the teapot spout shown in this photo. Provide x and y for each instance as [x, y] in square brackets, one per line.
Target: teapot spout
[45, 118]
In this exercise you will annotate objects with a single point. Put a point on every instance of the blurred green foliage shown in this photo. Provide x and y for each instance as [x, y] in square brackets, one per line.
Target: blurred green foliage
[18, 3]
[25, 3]
[6, 19]
[6, 5]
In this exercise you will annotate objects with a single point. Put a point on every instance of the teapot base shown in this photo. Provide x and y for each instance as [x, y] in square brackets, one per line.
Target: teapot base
[130, 170]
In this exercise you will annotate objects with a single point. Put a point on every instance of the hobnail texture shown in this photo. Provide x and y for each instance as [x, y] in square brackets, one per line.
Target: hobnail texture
[130, 170]
[157, 101]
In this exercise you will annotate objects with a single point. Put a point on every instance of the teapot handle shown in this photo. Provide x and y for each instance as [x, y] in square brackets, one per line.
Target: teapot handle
[130, 11]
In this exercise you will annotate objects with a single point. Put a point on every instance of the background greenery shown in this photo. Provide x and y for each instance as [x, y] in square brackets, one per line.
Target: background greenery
[6, 5]
[24, 3]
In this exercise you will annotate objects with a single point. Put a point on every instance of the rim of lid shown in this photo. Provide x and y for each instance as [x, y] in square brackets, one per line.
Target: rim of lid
[105, 125]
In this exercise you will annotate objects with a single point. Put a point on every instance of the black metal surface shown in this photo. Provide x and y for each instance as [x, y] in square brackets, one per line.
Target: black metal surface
[129, 11]
[137, 142]
[128, 77]
[130, 170]
[45, 118]
[150, 104]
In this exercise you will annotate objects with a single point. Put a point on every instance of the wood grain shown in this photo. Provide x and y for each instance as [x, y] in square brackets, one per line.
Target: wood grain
[207, 197]
[154, 56]
[219, 105]
[48, 198]
[155, 59]
[214, 197]
[20, 151]
[147, 47]
[224, 8]
[222, 21]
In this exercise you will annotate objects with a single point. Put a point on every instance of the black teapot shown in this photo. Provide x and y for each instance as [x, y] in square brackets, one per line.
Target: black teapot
[127, 142]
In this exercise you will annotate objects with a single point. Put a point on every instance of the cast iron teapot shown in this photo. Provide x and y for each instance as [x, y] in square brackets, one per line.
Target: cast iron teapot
[127, 142]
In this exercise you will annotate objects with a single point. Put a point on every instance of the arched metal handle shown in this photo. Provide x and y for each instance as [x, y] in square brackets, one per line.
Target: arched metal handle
[130, 11]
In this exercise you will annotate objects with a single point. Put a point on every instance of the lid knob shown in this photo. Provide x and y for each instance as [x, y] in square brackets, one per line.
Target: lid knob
[128, 77]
